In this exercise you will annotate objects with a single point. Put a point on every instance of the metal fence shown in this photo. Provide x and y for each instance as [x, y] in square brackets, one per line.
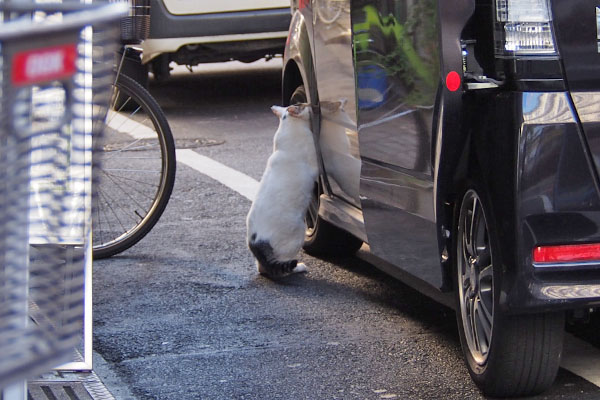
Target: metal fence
[56, 81]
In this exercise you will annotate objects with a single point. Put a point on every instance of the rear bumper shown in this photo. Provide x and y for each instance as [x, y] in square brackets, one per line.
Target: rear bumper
[557, 202]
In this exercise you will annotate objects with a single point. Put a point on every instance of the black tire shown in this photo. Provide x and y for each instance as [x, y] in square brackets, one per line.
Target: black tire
[137, 171]
[160, 67]
[506, 355]
[299, 96]
[323, 238]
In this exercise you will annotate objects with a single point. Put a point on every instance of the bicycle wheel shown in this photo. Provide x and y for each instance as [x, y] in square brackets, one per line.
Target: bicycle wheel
[137, 170]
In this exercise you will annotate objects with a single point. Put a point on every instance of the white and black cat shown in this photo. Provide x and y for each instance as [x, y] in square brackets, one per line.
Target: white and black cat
[275, 222]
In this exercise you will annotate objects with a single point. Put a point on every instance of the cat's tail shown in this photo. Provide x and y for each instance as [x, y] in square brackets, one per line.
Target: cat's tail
[267, 263]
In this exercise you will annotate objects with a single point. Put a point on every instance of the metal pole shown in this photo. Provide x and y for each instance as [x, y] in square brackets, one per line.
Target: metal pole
[18, 218]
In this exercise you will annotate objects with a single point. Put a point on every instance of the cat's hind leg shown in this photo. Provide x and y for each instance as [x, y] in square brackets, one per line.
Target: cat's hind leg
[279, 269]
[261, 269]
[300, 267]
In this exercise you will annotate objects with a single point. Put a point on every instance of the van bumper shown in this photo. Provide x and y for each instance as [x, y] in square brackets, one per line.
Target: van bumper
[557, 203]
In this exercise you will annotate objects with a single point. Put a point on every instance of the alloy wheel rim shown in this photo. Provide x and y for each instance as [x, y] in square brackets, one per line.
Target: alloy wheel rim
[312, 213]
[475, 277]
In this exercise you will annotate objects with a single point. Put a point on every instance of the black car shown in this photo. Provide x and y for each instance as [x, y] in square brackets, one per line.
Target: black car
[461, 140]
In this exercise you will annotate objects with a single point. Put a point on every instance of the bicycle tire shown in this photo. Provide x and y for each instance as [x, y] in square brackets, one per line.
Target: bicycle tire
[126, 205]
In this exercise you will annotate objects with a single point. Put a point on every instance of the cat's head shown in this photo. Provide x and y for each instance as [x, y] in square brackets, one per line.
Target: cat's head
[301, 111]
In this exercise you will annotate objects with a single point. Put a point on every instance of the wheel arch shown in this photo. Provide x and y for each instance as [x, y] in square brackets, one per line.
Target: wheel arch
[454, 157]
[292, 78]
[486, 153]
[298, 68]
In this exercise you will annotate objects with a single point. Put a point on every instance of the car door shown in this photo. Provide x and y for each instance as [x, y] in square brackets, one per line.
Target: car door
[334, 72]
[396, 65]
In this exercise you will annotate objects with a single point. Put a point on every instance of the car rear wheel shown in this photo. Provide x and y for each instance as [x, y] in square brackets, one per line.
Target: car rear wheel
[507, 355]
[323, 238]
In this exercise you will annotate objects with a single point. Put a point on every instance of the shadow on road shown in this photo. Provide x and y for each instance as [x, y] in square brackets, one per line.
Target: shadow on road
[377, 287]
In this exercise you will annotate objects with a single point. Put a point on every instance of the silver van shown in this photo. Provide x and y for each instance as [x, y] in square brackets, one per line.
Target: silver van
[192, 32]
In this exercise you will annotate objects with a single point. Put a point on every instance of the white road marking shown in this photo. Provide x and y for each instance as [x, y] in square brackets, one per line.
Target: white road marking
[121, 123]
[581, 358]
[233, 179]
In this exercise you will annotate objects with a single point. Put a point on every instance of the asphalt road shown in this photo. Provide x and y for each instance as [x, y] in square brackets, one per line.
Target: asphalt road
[184, 315]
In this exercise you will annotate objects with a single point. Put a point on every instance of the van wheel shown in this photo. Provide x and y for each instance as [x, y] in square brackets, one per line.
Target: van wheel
[323, 238]
[160, 67]
[507, 355]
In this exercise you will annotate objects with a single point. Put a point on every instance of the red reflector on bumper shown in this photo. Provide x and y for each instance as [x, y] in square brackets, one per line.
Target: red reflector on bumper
[567, 253]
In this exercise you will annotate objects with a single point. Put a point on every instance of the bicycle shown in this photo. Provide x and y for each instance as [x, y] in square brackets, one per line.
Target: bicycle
[138, 169]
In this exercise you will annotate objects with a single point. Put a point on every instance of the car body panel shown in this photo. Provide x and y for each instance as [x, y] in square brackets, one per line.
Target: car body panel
[186, 7]
[152, 48]
[579, 46]
[332, 41]
[558, 202]
[577, 28]
[166, 25]
[298, 59]
[397, 68]
[247, 33]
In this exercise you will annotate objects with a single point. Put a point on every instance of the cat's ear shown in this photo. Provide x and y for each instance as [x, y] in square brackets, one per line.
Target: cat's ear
[330, 107]
[279, 111]
[299, 110]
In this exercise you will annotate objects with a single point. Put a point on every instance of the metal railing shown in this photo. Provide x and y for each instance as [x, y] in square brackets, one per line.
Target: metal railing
[55, 87]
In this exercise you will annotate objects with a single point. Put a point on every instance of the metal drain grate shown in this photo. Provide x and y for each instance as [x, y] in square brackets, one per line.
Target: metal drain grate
[57, 391]
[68, 386]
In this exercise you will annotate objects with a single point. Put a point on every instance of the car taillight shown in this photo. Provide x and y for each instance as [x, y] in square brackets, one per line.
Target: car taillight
[524, 28]
[566, 253]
